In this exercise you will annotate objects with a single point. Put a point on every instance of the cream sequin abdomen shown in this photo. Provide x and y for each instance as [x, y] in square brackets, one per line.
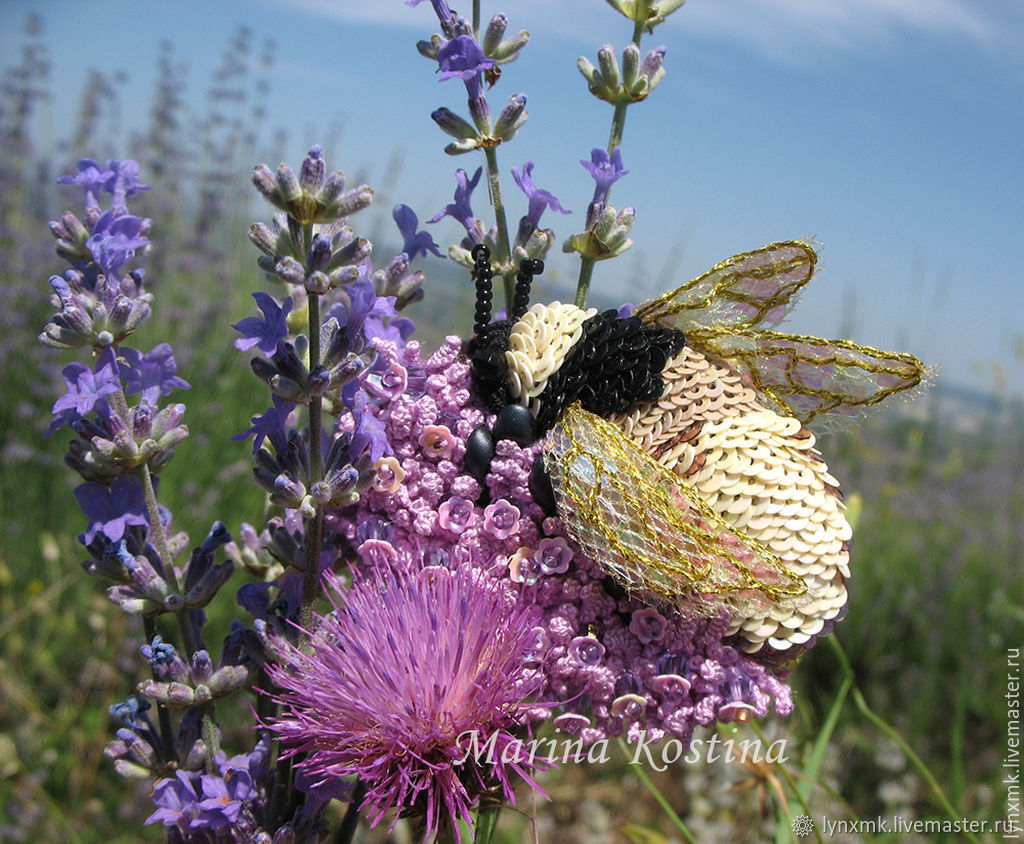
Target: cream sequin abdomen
[760, 472]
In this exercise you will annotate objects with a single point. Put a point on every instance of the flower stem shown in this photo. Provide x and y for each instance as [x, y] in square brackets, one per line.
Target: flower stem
[614, 140]
[314, 526]
[347, 828]
[163, 716]
[504, 257]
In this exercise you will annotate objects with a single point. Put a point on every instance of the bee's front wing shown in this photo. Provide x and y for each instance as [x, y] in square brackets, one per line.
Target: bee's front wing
[651, 531]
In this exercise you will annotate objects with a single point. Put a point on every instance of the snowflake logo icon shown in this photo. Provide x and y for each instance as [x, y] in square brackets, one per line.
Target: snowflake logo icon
[803, 825]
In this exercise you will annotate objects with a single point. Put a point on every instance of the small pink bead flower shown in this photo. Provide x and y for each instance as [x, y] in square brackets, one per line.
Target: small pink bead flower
[501, 519]
[394, 380]
[523, 568]
[437, 441]
[553, 555]
[456, 514]
[648, 625]
[390, 475]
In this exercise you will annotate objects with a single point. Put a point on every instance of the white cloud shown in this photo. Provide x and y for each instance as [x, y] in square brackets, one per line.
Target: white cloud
[780, 29]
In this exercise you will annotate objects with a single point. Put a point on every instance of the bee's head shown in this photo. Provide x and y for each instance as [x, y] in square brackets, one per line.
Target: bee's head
[490, 340]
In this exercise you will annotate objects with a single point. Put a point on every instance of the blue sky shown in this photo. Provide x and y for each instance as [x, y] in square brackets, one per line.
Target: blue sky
[889, 131]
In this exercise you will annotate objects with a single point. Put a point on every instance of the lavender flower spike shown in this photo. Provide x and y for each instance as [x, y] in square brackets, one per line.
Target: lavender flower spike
[400, 679]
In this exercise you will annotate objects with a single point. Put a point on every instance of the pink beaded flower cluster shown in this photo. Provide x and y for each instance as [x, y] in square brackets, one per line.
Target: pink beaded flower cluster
[608, 664]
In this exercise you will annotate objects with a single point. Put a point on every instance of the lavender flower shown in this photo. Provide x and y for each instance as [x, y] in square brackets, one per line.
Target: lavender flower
[539, 200]
[86, 390]
[151, 374]
[460, 209]
[264, 333]
[111, 509]
[416, 243]
[405, 670]
[606, 170]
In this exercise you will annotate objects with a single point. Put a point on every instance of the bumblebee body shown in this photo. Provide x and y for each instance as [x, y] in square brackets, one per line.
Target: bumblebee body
[676, 464]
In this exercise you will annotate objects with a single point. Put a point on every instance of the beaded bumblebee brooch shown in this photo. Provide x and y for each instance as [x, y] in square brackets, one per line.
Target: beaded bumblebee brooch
[675, 445]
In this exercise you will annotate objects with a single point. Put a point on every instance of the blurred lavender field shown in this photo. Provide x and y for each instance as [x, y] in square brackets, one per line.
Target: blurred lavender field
[938, 591]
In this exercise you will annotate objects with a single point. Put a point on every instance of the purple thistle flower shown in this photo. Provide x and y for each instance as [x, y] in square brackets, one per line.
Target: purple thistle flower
[264, 333]
[416, 243]
[606, 169]
[397, 678]
[111, 509]
[459, 209]
[539, 199]
[151, 374]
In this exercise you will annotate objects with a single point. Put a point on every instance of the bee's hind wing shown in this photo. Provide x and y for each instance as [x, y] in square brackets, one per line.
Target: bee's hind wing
[807, 376]
[653, 532]
[746, 290]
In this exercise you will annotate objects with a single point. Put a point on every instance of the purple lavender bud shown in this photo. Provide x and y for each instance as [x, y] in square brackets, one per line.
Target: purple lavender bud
[313, 170]
[264, 238]
[630, 66]
[430, 49]
[146, 579]
[195, 759]
[480, 111]
[202, 667]
[494, 33]
[512, 116]
[319, 253]
[608, 64]
[349, 249]
[228, 679]
[509, 49]
[288, 187]
[350, 202]
[290, 270]
[451, 124]
[318, 283]
[202, 593]
[344, 372]
[333, 187]
[129, 600]
[319, 381]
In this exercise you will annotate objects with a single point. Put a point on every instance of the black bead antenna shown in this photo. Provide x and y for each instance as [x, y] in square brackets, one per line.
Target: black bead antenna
[528, 268]
[483, 274]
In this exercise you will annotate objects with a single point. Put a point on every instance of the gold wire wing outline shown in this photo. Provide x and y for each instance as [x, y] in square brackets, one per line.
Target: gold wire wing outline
[798, 375]
[741, 292]
[653, 532]
[808, 376]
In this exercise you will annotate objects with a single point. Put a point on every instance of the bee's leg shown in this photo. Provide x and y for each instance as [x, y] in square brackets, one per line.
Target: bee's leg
[479, 452]
[540, 487]
[514, 422]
